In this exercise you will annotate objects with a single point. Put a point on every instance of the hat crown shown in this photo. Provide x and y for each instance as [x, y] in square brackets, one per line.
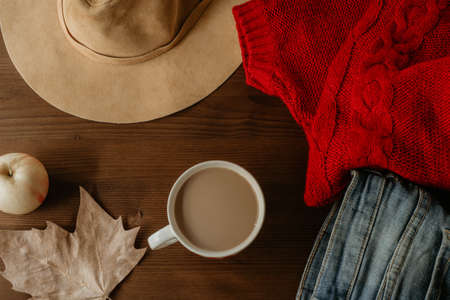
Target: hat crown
[127, 28]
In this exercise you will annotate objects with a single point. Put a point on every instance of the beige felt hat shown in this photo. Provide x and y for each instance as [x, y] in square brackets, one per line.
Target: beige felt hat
[121, 61]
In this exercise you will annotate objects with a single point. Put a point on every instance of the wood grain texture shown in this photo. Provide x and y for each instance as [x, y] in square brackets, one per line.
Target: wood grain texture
[129, 169]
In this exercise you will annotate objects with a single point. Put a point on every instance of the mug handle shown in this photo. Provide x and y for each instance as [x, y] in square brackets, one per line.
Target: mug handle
[162, 238]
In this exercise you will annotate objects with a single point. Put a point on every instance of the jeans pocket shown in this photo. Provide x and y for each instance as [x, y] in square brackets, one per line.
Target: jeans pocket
[439, 287]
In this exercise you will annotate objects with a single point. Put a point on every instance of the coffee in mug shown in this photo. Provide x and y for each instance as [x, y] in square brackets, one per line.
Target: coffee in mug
[215, 209]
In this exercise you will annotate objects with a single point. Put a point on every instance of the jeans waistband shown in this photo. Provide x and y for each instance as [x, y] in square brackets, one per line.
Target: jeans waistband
[369, 194]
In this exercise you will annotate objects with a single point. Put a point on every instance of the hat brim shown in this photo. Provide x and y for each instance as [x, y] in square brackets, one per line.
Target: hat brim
[103, 92]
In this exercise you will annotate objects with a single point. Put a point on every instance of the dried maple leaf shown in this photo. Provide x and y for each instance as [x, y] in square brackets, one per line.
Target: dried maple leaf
[56, 264]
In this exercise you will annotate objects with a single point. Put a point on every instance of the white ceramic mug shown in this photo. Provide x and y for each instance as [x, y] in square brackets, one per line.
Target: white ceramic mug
[171, 233]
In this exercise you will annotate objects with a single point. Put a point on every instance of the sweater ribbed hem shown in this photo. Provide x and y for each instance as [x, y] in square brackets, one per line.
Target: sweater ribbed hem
[257, 45]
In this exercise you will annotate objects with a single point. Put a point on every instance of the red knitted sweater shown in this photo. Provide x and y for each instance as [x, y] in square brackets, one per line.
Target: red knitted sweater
[368, 80]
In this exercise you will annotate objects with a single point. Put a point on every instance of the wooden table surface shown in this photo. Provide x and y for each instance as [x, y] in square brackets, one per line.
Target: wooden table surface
[129, 169]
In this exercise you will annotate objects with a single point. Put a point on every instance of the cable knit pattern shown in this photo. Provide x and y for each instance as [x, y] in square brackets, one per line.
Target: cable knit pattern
[373, 93]
[368, 80]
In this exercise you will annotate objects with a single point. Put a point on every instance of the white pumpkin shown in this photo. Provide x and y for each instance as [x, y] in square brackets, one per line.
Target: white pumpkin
[23, 183]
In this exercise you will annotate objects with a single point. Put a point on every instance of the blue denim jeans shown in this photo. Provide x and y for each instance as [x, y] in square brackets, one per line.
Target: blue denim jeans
[387, 239]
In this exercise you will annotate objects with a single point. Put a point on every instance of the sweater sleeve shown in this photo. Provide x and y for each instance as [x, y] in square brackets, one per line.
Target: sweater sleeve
[257, 45]
[287, 46]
